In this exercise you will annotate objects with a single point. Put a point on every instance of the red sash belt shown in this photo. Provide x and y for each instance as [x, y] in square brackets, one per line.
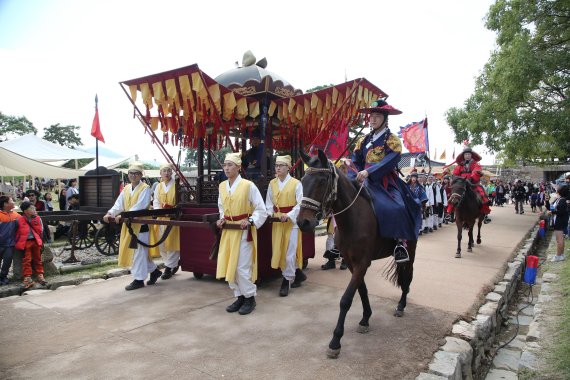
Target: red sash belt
[283, 210]
[165, 205]
[237, 218]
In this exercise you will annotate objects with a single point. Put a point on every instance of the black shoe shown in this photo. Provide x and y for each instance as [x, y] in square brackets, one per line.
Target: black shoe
[175, 269]
[426, 230]
[167, 273]
[435, 228]
[299, 277]
[284, 291]
[329, 265]
[401, 254]
[154, 276]
[421, 232]
[236, 305]
[248, 306]
[439, 225]
[343, 265]
[136, 284]
[430, 229]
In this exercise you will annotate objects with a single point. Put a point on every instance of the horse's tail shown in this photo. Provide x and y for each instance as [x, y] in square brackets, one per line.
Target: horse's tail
[395, 272]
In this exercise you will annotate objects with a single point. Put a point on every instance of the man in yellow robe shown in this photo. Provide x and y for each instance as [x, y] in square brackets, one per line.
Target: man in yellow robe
[135, 196]
[283, 201]
[165, 197]
[240, 204]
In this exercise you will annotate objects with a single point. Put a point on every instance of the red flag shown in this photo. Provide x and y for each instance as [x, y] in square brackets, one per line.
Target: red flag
[96, 127]
[415, 136]
[337, 143]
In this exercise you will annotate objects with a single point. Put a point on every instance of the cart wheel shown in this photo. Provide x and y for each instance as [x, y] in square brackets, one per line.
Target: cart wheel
[84, 237]
[305, 263]
[107, 240]
[198, 276]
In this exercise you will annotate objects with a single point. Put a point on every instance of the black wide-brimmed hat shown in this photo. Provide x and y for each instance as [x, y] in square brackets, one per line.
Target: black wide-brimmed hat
[380, 106]
[474, 155]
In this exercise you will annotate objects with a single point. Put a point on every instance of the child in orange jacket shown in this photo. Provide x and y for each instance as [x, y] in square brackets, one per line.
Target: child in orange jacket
[29, 240]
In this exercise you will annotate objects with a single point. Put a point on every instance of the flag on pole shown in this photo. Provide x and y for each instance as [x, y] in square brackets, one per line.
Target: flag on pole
[442, 157]
[415, 136]
[96, 127]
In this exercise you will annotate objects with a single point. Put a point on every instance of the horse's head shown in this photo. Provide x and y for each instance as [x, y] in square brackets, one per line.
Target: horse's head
[318, 190]
[459, 187]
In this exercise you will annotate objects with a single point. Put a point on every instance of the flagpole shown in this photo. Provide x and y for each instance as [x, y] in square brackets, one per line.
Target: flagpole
[427, 141]
[97, 161]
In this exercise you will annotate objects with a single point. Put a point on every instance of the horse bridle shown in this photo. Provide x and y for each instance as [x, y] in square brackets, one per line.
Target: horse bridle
[322, 208]
[461, 196]
[325, 206]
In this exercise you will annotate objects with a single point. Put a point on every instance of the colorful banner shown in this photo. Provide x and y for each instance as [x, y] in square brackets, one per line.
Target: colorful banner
[415, 136]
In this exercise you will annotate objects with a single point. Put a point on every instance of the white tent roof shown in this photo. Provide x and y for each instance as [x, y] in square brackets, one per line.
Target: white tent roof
[41, 150]
[109, 162]
[14, 163]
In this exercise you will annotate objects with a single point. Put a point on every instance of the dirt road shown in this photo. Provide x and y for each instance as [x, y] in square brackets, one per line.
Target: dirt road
[179, 328]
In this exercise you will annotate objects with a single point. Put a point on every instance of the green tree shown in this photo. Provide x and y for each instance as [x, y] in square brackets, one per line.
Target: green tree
[317, 88]
[63, 135]
[12, 126]
[520, 104]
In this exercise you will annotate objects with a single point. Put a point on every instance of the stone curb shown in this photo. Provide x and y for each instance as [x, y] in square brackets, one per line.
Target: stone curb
[467, 350]
[16, 290]
[525, 348]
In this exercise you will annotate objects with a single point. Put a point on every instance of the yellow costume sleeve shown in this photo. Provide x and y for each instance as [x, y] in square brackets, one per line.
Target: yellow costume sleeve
[394, 143]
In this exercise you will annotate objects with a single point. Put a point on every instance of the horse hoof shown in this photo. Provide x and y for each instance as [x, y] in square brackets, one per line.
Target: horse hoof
[333, 354]
[458, 255]
[363, 329]
[398, 313]
[469, 249]
[478, 241]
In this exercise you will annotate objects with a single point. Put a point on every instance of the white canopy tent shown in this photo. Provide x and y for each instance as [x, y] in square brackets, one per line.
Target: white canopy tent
[109, 162]
[38, 149]
[13, 164]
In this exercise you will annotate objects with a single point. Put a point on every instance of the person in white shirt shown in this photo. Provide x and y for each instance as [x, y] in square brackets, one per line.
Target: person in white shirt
[283, 201]
[164, 198]
[135, 196]
[242, 211]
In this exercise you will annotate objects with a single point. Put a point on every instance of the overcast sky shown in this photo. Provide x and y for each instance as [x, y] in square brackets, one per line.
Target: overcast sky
[56, 55]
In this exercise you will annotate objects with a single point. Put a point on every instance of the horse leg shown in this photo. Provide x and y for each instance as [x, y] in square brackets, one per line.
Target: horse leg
[480, 222]
[470, 243]
[405, 276]
[359, 270]
[459, 237]
[363, 326]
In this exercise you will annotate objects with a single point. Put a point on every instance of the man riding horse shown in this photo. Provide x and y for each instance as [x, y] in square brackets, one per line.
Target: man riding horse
[376, 158]
[468, 167]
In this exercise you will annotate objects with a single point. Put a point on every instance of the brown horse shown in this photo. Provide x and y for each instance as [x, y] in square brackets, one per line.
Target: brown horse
[327, 190]
[467, 206]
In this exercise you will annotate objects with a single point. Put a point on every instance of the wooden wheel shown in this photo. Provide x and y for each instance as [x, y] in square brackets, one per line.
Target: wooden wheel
[107, 240]
[84, 235]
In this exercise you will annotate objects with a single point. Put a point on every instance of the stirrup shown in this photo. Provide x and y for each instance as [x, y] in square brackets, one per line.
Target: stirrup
[401, 253]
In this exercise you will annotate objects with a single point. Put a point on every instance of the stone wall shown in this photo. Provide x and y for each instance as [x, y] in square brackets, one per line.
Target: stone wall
[465, 352]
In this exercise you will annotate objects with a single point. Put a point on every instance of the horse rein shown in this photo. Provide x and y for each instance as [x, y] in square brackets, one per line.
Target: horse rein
[322, 207]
